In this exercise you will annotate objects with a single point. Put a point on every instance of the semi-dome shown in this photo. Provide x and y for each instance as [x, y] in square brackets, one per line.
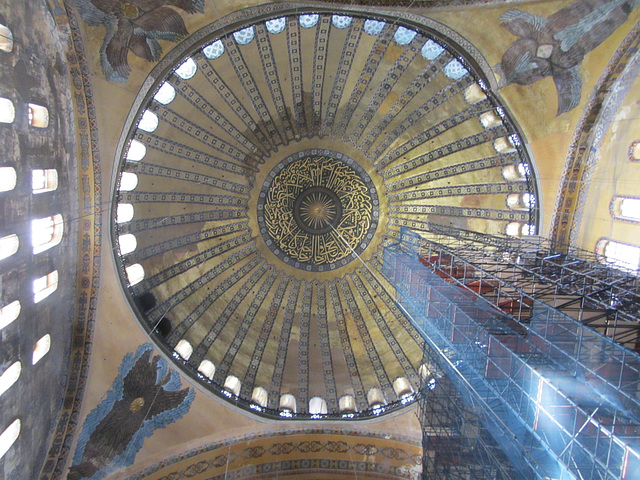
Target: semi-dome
[263, 170]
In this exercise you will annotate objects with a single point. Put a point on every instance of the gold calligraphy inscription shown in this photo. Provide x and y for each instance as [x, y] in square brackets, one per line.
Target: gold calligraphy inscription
[318, 210]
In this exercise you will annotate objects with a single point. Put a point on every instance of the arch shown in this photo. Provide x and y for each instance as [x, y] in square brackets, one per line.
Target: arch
[184, 349]
[232, 385]
[135, 274]
[8, 245]
[44, 180]
[317, 406]
[38, 115]
[46, 232]
[288, 403]
[124, 213]
[9, 313]
[8, 179]
[9, 436]
[41, 348]
[7, 111]
[128, 181]
[45, 286]
[244, 36]
[10, 376]
[207, 368]
[128, 243]
[6, 39]
[260, 396]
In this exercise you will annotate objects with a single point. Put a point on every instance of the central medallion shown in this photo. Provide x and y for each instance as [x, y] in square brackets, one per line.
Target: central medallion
[318, 210]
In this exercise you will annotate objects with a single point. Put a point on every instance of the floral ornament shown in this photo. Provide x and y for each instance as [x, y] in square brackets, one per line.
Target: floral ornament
[135, 25]
[144, 397]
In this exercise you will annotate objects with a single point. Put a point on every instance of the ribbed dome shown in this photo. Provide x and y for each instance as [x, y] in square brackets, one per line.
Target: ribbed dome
[267, 170]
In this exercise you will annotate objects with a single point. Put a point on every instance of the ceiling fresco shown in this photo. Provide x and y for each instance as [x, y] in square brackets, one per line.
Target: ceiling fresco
[272, 163]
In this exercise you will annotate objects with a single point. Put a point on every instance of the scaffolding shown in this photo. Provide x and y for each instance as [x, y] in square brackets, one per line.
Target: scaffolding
[537, 340]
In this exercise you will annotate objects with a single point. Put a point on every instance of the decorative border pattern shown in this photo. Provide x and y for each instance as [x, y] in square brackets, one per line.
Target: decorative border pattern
[89, 241]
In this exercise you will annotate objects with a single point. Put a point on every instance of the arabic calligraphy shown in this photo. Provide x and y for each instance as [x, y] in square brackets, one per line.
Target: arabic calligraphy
[318, 210]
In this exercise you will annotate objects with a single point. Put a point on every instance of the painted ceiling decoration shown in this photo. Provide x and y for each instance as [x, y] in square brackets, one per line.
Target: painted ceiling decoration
[266, 166]
[555, 46]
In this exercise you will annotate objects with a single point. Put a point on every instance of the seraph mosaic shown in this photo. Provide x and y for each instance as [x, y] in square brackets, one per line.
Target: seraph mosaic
[135, 26]
[145, 396]
[556, 45]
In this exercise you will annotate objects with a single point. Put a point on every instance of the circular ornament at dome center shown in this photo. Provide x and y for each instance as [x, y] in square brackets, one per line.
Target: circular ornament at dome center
[318, 210]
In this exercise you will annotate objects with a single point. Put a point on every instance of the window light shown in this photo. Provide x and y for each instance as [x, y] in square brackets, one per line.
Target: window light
[187, 69]
[7, 111]
[136, 151]
[431, 50]
[41, 348]
[373, 27]
[184, 349]
[347, 404]
[44, 180]
[46, 232]
[309, 20]
[455, 70]
[135, 273]
[317, 406]
[276, 25]
[10, 376]
[148, 122]
[207, 368]
[216, 49]
[403, 35]
[620, 255]
[124, 212]
[165, 94]
[8, 245]
[128, 181]
[474, 93]
[232, 384]
[341, 21]
[9, 313]
[8, 179]
[6, 39]
[260, 396]
[9, 436]
[38, 115]
[45, 286]
[375, 397]
[490, 119]
[128, 243]
[626, 208]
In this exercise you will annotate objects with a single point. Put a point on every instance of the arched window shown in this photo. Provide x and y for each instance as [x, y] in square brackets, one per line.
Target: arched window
[148, 122]
[516, 173]
[517, 229]
[375, 397]
[184, 349]
[260, 396]
[626, 208]
[207, 368]
[187, 69]
[276, 25]
[7, 111]
[216, 49]
[124, 213]
[46, 232]
[8, 179]
[38, 115]
[9, 313]
[45, 286]
[341, 21]
[127, 243]
[165, 94]
[373, 27]
[347, 404]
[426, 372]
[135, 273]
[244, 36]
[41, 348]
[402, 387]
[431, 50]
[403, 36]
[490, 119]
[128, 181]
[9, 436]
[317, 406]
[44, 180]
[308, 21]
[8, 245]
[634, 151]
[504, 145]
[621, 255]
[521, 201]
[6, 39]
[288, 403]
[10, 376]
[455, 70]
[232, 385]
[136, 151]
[474, 94]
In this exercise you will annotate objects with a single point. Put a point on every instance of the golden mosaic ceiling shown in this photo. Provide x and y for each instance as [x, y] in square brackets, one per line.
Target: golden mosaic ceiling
[265, 172]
